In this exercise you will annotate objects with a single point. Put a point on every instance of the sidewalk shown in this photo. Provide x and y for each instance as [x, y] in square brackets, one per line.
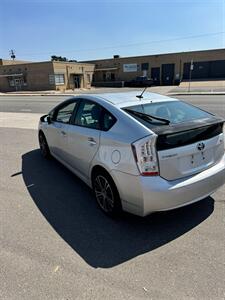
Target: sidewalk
[164, 90]
[216, 87]
[48, 93]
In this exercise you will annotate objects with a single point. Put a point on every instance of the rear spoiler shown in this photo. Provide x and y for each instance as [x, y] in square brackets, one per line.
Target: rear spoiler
[175, 128]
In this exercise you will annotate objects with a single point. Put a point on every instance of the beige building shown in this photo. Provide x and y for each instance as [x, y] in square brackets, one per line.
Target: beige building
[49, 75]
[165, 69]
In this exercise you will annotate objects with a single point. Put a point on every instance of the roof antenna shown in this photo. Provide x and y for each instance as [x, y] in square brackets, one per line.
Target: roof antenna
[141, 96]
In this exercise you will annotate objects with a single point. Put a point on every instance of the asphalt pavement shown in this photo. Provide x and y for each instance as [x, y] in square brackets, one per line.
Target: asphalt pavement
[43, 104]
[56, 244]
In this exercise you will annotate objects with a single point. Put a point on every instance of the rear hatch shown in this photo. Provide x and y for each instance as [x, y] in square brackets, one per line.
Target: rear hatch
[184, 153]
[189, 140]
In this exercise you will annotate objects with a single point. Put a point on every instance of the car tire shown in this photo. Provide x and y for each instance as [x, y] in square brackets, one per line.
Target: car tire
[106, 194]
[43, 145]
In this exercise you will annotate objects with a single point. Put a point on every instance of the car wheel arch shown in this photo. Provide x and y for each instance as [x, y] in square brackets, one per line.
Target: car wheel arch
[102, 169]
[41, 132]
[99, 169]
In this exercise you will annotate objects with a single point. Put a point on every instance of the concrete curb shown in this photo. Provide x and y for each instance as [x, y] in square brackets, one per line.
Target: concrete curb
[195, 94]
[10, 95]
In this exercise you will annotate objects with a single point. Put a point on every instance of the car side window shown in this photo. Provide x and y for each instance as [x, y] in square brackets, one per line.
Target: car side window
[89, 115]
[108, 120]
[64, 114]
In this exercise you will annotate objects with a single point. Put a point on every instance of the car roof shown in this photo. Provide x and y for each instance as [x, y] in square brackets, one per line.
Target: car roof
[130, 98]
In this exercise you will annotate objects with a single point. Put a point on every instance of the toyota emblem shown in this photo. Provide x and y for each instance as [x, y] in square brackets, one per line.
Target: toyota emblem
[201, 146]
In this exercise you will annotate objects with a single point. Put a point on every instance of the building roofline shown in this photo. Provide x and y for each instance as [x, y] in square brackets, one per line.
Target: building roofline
[47, 62]
[26, 63]
[72, 62]
[153, 55]
[7, 59]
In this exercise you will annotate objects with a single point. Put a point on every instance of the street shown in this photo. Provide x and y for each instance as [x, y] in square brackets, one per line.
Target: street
[57, 244]
[43, 104]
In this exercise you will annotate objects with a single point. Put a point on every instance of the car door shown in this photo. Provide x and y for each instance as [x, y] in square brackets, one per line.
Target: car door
[57, 129]
[84, 136]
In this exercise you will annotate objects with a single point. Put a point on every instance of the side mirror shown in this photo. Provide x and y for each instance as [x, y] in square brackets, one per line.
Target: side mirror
[49, 120]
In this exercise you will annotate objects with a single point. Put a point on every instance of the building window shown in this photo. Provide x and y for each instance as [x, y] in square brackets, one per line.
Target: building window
[51, 79]
[57, 79]
[144, 66]
[11, 82]
[17, 82]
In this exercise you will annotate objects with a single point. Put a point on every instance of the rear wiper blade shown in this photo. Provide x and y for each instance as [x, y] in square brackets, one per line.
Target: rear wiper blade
[147, 117]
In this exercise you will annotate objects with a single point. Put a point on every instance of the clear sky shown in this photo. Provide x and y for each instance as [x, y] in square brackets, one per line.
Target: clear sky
[91, 29]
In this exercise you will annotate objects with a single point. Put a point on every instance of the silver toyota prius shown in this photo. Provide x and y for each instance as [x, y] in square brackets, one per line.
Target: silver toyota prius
[140, 153]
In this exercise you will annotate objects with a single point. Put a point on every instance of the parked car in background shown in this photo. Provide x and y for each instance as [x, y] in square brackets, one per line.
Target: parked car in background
[139, 153]
[140, 81]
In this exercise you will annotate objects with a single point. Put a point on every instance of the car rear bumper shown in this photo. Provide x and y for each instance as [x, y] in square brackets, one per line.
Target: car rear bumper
[145, 195]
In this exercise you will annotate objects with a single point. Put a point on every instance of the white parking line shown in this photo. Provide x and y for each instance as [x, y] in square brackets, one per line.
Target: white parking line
[19, 120]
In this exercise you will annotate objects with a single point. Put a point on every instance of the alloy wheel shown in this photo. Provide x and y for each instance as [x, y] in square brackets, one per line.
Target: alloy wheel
[104, 193]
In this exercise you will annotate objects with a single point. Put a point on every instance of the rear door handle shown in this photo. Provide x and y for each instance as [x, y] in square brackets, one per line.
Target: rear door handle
[91, 141]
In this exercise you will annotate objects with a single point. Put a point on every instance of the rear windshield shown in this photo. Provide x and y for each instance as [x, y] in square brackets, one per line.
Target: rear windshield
[174, 111]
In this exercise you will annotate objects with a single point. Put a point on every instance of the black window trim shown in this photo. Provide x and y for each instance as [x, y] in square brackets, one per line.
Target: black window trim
[104, 111]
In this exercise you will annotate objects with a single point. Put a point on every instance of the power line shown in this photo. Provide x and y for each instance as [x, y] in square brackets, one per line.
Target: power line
[129, 44]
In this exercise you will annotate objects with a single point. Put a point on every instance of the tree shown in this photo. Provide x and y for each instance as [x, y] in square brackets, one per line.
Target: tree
[58, 58]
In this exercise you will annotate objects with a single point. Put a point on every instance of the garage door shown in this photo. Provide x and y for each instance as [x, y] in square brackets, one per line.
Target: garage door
[155, 75]
[205, 70]
[167, 74]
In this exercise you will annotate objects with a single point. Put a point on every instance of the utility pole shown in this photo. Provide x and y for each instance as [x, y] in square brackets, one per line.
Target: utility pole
[12, 54]
[190, 73]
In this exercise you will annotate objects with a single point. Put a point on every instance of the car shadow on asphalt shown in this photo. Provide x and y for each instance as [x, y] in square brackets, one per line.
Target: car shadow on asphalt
[69, 206]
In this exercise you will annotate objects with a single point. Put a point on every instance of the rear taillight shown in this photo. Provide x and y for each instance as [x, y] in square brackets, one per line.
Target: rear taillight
[144, 151]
